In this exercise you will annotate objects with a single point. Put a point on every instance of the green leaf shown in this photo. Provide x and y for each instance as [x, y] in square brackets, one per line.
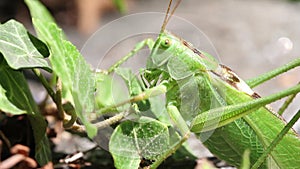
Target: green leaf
[18, 49]
[133, 141]
[104, 94]
[39, 45]
[38, 11]
[76, 75]
[44, 152]
[18, 94]
[83, 86]
[109, 92]
[52, 35]
[7, 106]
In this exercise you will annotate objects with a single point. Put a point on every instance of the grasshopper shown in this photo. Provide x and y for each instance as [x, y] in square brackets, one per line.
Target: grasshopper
[202, 97]
[210, 100]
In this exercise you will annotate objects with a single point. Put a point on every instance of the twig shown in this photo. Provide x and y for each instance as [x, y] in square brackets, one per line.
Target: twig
[5, 139]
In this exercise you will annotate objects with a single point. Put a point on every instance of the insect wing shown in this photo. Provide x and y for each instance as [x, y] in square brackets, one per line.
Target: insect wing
[255, 132]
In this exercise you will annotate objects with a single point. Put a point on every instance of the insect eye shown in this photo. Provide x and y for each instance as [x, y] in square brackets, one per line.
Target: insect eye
[166, 43]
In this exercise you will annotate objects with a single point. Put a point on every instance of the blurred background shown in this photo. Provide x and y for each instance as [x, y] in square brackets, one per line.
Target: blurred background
[250, 36]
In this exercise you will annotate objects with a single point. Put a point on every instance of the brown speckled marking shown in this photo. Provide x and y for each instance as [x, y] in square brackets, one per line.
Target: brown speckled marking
[185, 43]
[255, 95]
[232, 79]
[195, 50]
[230, 75]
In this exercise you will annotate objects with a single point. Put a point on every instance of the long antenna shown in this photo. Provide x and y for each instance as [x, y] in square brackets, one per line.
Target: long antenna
[168, 16]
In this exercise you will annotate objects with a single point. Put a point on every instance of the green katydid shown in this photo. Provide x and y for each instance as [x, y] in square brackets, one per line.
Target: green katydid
[226, 105]
[225, 101]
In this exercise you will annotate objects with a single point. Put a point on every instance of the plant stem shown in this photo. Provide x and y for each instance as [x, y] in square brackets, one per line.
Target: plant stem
[58, 99]
[69, 109]
[5, 139]
[45, 83]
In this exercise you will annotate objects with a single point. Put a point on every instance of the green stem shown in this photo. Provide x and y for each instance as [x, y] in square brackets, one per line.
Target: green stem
[70, 110]
[269, 75]
[58, 99]
[45, 83]
[279, 137]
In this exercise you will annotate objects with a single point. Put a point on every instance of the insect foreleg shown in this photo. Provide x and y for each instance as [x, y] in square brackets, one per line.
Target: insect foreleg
[149, 42]
[152, 92]
[183, 128]
[178, 120]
